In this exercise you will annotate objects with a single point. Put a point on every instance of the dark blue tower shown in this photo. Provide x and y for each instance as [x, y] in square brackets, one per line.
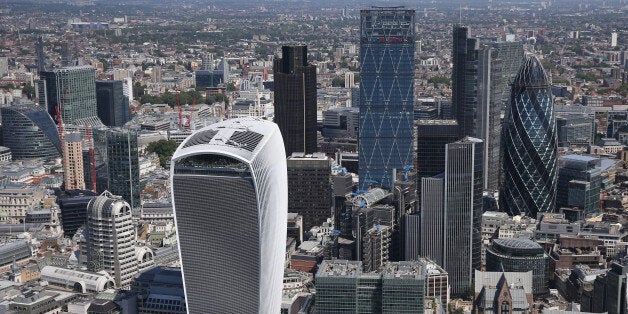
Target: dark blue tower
[386, 93]
[530, 157]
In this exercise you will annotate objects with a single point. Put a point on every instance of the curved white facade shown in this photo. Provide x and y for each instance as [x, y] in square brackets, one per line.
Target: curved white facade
[230, 198]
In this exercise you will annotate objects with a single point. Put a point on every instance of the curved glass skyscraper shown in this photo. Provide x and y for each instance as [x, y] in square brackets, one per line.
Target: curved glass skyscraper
[530, 160]
[29, 132]
[230, 197]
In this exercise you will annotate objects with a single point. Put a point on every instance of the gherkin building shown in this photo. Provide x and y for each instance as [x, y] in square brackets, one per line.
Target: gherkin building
[530, 157]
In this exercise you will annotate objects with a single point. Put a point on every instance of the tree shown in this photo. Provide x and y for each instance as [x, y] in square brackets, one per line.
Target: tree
[164, 149]
[338, 82]
[29, 90]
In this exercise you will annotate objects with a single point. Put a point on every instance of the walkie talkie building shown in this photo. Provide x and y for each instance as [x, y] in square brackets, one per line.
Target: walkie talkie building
[530, 157]
[230, 197]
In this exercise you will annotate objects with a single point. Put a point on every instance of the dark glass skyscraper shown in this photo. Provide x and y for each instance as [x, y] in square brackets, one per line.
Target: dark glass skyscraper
[432, 138]
[29, 132]
[530, 144]
[123, 165]
[295, 99]
[464, 80]
[386, 93]
[113, 106]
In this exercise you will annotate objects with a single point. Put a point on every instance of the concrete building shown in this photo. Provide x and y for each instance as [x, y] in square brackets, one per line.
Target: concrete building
[111, 238]
[73, 173]
[503, 292]
[77, 280]
[238, 163]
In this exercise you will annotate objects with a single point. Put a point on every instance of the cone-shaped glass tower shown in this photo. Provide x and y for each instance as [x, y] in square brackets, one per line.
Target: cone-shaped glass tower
[530, 160]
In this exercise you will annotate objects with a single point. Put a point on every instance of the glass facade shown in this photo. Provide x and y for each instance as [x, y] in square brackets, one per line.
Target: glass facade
[123, 165]
[73, 89]
[432, 138]
[530, 144]
[29, 132]
[520, 255]
[113, 106]
[579, 183]
[386, 93]
[295, 100]
[498, 64]
[230, 198]
[464, 80]
[463, 212]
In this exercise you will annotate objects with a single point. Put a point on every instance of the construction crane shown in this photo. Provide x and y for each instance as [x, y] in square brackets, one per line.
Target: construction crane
[407, 169]
[92, 161]
[191, 113]
[180, 113]
[58, 110]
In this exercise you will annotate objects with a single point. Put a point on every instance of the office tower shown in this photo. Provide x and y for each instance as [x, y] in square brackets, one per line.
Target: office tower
[4, 66]
[73, 205]
[464, 81]
[123, 165]
[520, 255]
[575, 128]
[29, 132]
[616, 121]
[73, 162]
[234, 164]
[463, 212]
[386, 94]
[73, 90]
[579, 183]
[530, 150]
[433, 218]
[41, 58]
[432, 136]
[295, 99]
[111, 238]
[349, 80]
[205, 78]
[207, 61]
[309, 188]
[376, 247]
[614, 39]
[498, 63]
[113, 106]
[411, 231]
[343, 287]
[156, 72]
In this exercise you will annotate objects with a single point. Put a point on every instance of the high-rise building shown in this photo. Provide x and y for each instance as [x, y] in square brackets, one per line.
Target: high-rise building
[295, 99]
[113, 106]
[342, 287]
[309, 188]
[29, 132]
[530, 151]
[498, 63]
[73, 162]
[463, 212]
[579, 183]
[432, 136]
[614, 39]
[160, 290]
[433, 218]
[4, 66]
[520, 255]
[451, 213]
[386, 93]
[575, 128]
[123, 165]
[464, 81]
[72, 90]
[73, 206]
[111, 238]
[234, 164]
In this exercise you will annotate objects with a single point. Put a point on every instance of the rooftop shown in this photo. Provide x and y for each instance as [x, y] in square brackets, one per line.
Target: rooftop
[339, 268]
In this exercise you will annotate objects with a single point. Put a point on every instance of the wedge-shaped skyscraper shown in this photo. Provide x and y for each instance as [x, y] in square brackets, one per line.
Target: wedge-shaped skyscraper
[230, 195]
[530, 161]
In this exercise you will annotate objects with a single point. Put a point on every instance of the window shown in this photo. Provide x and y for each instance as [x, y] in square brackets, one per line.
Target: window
[505, 308]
